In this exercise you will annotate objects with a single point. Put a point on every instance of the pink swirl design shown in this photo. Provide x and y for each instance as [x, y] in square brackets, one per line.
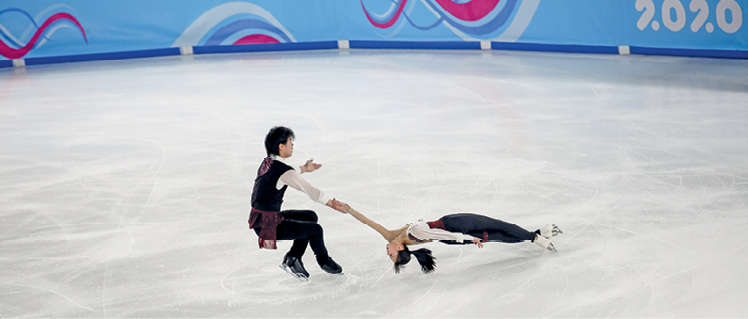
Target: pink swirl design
[469, 11]
[388, 23]
[256, 38]
[12, 53]
[473, 18]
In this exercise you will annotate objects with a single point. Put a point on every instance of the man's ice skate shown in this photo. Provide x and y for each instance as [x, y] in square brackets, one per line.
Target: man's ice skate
[330, 266]
[550, 230]
[544, 242]
[295, 267]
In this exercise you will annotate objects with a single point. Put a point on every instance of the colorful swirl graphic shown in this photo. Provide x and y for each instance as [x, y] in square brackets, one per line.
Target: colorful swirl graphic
[469, 11]
[233, 24]
[474, 18]
[389, 19]
[16, 49]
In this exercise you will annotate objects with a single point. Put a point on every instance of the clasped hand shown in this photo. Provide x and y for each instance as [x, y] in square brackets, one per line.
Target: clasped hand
[340, 206]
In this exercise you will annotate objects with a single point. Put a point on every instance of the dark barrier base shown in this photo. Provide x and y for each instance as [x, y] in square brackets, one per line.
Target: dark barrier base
[691, 52]
[211, 49]
[104, 56]
[414, 45]
[566, 48]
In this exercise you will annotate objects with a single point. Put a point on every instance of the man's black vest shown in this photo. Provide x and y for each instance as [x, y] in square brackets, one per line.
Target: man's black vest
[265, 196]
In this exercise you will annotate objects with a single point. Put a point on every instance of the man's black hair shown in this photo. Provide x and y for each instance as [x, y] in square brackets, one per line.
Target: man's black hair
[276, 136]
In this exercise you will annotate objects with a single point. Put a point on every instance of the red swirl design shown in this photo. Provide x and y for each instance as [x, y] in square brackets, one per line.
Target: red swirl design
[469, 11]
[12, 53]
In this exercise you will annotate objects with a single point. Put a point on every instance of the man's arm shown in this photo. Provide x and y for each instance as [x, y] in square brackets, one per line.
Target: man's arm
[293, 179]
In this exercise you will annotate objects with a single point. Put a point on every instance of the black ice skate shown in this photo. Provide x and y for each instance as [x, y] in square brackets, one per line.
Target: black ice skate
[295, 267]
[330, 266]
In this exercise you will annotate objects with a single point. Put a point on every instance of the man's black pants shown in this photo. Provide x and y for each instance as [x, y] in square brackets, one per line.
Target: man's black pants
[301, 227]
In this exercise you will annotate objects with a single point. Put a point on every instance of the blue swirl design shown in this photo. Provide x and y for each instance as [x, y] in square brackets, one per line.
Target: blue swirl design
[467, 27]
[16, 50]
[9, 38]
[494, 24]
[240, 25]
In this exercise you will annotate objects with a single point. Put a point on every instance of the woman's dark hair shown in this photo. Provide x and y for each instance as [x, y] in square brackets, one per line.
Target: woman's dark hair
[278, 135]
[423, 255]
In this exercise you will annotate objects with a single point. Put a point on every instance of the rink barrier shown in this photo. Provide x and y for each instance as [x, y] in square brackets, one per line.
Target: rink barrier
[418, 45]
[564, 48]
[365, 44]
[104, 56]
[265, 47]
[690, 52]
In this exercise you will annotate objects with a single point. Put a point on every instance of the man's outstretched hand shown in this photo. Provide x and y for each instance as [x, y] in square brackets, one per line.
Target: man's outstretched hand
[310, 166]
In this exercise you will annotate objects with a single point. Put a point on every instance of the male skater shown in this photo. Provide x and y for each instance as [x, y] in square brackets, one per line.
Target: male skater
[271, 223]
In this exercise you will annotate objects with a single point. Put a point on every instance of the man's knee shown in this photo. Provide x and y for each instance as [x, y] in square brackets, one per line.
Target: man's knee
[313, 216]
[316, 229]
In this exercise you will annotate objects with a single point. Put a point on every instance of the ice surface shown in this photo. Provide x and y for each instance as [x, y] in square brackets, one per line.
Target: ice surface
[124, 185]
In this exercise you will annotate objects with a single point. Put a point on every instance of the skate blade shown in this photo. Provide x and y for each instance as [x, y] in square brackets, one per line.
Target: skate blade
[556, 230]
[299, 277]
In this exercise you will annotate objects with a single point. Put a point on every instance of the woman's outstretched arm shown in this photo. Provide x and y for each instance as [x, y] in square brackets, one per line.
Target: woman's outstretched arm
[387, 234]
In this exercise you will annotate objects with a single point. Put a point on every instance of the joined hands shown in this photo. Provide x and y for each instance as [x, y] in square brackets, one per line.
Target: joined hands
[339, 206]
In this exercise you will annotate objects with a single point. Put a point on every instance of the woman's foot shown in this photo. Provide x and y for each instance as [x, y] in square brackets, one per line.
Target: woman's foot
[549, 231]
[544, 242]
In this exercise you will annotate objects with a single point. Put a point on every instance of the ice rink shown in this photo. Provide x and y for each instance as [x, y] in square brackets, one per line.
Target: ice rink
[125, 185]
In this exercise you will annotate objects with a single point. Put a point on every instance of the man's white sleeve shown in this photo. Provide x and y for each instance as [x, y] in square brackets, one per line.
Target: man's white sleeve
[293, 178]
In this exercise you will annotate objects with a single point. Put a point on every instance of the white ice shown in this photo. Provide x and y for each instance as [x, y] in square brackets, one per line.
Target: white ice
[124, 185]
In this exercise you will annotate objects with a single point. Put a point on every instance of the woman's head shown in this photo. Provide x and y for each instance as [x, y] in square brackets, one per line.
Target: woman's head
[423, 256]
[393, 248]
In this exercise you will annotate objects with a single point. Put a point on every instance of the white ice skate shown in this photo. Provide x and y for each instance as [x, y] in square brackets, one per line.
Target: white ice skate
[550, 230]
[544, 242]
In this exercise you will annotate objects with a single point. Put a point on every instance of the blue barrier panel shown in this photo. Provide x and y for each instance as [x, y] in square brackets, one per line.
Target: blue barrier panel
[570, 48]
[691, 52]
[6, 64]
[104, 56]
[209, 49]
[415, 45]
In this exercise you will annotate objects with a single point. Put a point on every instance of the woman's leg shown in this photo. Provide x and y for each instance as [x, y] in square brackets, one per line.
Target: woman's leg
[480, 226]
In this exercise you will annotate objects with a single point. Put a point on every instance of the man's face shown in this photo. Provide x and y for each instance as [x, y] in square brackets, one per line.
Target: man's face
[286, 150]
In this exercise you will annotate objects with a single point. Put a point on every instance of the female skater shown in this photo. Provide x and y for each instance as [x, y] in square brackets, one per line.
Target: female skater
[463, 228]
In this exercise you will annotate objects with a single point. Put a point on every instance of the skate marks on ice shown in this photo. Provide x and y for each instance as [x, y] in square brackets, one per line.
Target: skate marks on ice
[635, 270]
[129, 197]
[267, 284]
